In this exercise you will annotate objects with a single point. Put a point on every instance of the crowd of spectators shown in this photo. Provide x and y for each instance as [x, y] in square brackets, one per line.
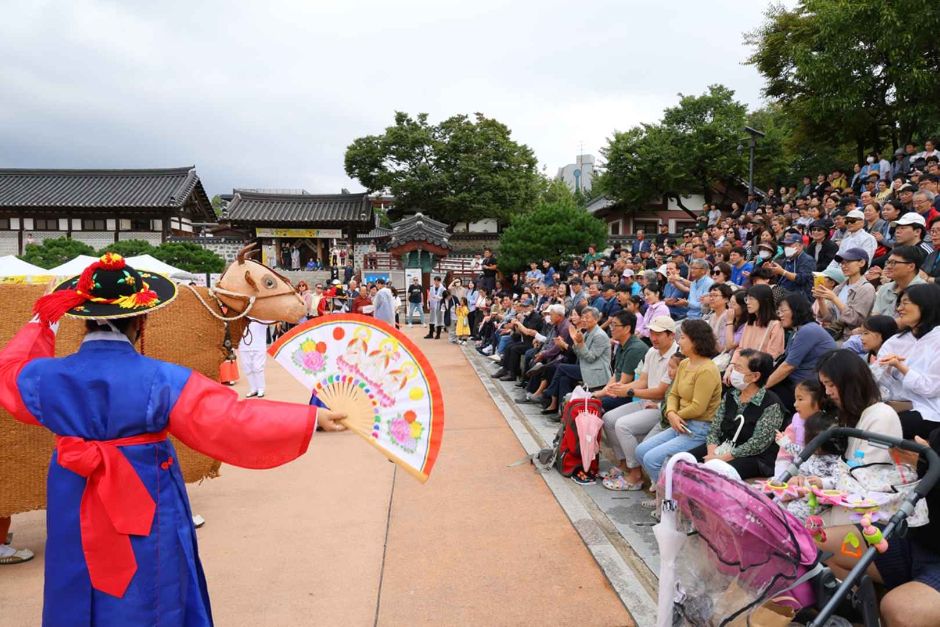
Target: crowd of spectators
[714, 339]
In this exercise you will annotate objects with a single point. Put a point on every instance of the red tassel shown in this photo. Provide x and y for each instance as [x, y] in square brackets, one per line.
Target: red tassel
[53, 306]
[145, 297]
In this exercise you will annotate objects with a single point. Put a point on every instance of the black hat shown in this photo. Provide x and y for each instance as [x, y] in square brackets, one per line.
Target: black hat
[107, 289]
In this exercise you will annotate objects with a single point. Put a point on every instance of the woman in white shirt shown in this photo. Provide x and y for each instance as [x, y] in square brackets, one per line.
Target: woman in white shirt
[910, 361]
[853, 390]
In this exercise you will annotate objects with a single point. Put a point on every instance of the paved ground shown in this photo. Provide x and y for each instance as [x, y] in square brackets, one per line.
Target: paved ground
[340, 537]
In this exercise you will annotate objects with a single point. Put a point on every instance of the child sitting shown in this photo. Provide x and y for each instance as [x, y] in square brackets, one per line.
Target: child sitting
[809, 395]
[822, 470]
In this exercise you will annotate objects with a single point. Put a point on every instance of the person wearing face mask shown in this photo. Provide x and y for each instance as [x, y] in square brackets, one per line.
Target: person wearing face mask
[749, 416]
[796, 271]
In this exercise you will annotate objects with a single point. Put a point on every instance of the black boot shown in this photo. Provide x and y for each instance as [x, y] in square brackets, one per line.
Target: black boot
[430, 335]
[438, 336]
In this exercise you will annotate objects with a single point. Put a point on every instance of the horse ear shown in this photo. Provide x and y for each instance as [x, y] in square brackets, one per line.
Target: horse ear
[249, 280]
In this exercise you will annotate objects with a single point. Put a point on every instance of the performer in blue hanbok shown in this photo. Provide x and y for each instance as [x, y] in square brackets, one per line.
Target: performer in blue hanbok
[121, 547]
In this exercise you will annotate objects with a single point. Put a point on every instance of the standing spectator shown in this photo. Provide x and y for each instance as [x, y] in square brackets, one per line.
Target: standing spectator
[640, 244]
[435, 296]
[474, 297]
[295, 258]
[490, 270]
[253, 353]
[691, 403]
[415, 301]
[807, 344]
[384, 303]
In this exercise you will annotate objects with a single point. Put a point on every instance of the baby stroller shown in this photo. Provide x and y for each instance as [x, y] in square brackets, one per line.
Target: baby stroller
[740, 550]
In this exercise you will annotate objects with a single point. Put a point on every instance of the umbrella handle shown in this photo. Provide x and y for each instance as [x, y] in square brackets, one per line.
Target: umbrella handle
[667, 477]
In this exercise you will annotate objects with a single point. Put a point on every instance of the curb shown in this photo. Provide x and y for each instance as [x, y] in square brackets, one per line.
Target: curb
[635, 588]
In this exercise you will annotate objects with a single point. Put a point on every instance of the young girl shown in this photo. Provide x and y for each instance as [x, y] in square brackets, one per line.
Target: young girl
[875, 331]
[822, 470]
[809, 395]
[463, 325]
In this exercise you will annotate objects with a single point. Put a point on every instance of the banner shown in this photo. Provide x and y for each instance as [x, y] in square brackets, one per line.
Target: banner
[412, 273]
[300, 233]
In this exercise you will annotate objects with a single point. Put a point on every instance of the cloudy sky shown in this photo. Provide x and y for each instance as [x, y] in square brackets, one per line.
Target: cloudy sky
[269, 94]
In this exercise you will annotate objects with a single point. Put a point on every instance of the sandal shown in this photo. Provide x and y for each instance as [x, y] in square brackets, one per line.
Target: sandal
[16, 556]
[613, 473]
[619, 483]
[649, 503]
[583, 478]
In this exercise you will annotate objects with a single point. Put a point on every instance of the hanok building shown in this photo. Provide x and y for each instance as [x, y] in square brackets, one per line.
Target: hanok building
[99, 207]
[310, 224]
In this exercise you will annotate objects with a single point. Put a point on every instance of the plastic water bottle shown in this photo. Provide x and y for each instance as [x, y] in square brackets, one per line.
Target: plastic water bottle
[859, 460]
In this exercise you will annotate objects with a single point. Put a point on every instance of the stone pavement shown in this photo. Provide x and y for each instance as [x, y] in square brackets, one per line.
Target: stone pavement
[340, 537]
[629, 525]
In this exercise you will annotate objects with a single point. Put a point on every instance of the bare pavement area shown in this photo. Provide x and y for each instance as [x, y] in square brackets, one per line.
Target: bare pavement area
[339, 537]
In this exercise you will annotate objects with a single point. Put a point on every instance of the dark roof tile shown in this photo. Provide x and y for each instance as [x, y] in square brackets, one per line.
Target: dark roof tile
[255, 207]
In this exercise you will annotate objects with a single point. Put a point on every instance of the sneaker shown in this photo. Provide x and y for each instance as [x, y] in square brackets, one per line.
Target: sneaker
[10, 555]
[496, 357]
[251, 395]
[487, 350]
[198, 521]
[583, 478]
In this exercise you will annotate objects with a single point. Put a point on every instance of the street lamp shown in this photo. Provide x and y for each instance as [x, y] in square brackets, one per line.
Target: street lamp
[754, 134]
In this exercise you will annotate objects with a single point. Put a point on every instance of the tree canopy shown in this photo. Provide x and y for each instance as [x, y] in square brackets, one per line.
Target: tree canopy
[693, 146]
[54, 252]
[189, 256]
[863, 72]
[460, 170]
[555, 229]
[129, 248]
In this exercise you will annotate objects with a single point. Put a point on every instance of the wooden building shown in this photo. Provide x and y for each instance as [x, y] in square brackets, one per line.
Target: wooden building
[99, 207]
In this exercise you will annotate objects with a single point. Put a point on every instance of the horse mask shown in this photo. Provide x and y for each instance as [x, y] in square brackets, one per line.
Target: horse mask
[248, 284]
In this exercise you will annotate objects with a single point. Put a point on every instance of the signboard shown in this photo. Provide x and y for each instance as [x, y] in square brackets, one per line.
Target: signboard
[306, 233]
[412, 273]
[371, 276]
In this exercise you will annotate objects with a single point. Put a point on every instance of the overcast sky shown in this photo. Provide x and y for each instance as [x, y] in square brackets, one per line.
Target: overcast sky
[269, 94]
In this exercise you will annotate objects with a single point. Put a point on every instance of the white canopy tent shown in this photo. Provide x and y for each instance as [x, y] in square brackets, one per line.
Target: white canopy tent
[13, 266]
[152, 264]
[73, 267]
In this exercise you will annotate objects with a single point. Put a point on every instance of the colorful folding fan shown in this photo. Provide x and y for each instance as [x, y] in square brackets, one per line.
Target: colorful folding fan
[375, 375]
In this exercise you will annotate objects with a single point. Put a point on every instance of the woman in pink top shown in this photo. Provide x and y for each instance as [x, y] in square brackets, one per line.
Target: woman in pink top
[763, 332]
[655, 307]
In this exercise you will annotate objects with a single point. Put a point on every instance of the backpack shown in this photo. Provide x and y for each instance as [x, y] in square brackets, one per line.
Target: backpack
[565, 451]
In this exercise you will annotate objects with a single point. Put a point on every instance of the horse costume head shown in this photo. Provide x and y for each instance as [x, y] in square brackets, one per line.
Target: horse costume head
[247, 283]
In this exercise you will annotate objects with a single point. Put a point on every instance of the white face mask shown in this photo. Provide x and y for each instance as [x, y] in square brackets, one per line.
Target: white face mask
[548, 319]
[737, 380]
[764, 254]
[789, 251]
[870, 159]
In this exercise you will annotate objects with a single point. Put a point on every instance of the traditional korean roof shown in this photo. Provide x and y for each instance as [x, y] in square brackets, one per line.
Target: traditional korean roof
[168, 188]
[268, 208]
[419, 228]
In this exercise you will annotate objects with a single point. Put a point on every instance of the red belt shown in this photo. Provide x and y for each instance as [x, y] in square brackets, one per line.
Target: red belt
[115, 505]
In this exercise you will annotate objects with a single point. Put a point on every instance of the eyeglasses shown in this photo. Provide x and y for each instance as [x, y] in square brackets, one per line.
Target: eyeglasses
[851, 220]
[890, 263]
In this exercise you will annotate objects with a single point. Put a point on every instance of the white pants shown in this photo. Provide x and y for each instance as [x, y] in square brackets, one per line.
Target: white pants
[253, 366]
[626, 426]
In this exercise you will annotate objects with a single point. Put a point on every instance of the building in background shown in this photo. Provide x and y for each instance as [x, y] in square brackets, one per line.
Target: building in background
[578, 176]
[99, 207]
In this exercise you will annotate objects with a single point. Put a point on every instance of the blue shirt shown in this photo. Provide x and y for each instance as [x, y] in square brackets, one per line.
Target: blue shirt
[549, 276]
[808, 344]
[803, 267]
[737, 274]
[671, 291]
[534, 275]
[697, 289]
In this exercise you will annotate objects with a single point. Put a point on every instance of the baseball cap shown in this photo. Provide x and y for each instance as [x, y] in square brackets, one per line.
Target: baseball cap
[907, 187]
[662, 323]
[911, 218]
[792, 238]
[662, 270]
[627, 272]
[852, 254]
[856, 214]
[835, 274]
[819, 224]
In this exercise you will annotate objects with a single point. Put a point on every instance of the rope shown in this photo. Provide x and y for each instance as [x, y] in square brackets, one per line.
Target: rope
[218, 316]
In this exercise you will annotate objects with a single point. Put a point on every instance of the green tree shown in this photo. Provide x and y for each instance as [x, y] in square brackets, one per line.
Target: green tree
[461, 170]
[863, 72]
[217, 205]
[554, 230]
[694, 146]
[128, 248]
[54, 252]
[189, 257]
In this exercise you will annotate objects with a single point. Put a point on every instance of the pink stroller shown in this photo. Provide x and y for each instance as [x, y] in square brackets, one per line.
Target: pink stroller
[739, 549]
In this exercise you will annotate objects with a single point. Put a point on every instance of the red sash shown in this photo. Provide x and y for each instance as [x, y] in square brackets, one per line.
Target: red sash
[115, 505]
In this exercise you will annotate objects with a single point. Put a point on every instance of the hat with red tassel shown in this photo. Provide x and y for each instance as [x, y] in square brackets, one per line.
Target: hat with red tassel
[107, 289]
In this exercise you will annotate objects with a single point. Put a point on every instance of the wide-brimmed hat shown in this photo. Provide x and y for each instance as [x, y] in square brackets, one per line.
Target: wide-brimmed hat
[107, 289]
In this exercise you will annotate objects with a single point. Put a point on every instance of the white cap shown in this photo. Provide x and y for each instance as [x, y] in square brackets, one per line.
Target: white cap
[662, 270]
[855, 213]
[911, 218]
[628, 272]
